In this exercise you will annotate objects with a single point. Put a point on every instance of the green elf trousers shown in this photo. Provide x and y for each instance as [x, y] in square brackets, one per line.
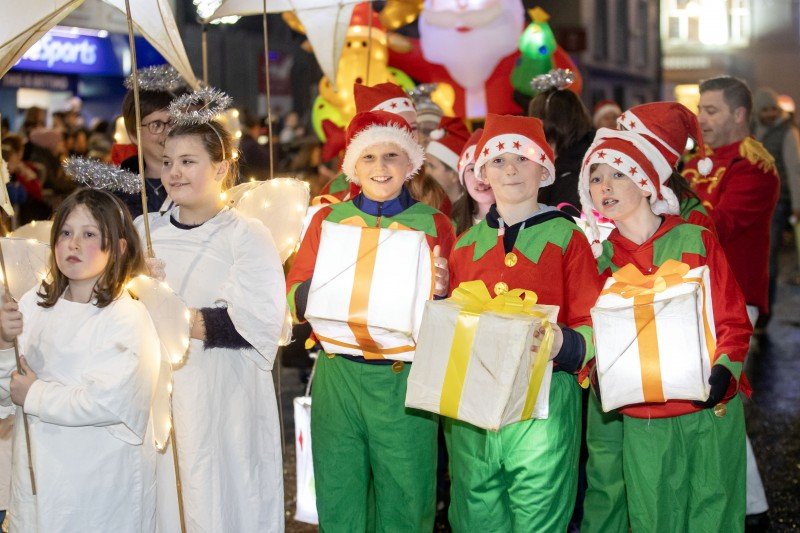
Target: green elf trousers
[686, 473]
[605, 507]
[521, 478]
[364, 439]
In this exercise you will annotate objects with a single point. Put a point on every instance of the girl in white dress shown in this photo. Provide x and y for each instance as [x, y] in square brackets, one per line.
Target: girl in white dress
[91, 359]
[227, 270]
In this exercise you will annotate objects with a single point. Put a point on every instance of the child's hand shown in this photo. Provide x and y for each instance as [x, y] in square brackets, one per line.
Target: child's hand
[442, 272]
[558, 340]
[21, 383]
[156, 267]
[10, 323]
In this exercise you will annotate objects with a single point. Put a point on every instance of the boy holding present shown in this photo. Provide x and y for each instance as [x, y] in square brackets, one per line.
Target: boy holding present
[683, 461]
[524, 477]
[363, 434]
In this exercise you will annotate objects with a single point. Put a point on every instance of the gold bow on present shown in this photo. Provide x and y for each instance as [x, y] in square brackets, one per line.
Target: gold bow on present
[631, 283]
[473, 297]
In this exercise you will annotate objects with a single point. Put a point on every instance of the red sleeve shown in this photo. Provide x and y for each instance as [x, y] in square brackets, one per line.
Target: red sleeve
[582, 283]
[731, 322]
[749, 192]
[445, 235]
[305, 259]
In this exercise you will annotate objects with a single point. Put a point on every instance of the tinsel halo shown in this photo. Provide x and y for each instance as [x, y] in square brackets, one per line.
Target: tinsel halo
[558, 78]
[160, 78]
[199, 107]
[99, 175]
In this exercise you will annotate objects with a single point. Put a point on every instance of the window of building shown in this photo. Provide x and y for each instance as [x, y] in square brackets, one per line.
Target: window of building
[706, 22]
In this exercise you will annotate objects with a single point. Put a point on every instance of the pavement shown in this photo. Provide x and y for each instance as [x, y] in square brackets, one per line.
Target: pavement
[773, 413]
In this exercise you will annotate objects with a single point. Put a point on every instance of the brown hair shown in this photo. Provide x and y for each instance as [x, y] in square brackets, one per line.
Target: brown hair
[564, 117]
[463, 212]
[115, 224]
[12, 144]
[425, 189]
[217, 142]
[735, 92]
[149, 102]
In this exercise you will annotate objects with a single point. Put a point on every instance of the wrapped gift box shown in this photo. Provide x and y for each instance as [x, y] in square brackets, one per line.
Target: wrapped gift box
[369, 290]
[474, 361]
[654, 335]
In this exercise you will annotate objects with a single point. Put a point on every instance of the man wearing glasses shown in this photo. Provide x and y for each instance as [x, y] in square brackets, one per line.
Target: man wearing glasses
[155, 126]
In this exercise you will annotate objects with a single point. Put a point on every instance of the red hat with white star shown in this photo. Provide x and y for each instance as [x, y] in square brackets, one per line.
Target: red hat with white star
[516, 135]
[670, 125]
[375, 127]
[468, 153]
[447, 141]
[382, 97]
[637, 157]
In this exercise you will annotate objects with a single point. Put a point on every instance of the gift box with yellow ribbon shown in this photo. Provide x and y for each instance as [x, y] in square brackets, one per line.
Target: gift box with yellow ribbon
[369, 289]
[474, 360]
[654, 335]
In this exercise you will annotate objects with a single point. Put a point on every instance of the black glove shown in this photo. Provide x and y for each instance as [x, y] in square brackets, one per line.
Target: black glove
[719, 380]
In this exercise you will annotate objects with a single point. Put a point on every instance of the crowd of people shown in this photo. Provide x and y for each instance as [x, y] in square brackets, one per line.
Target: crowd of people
[499, 205]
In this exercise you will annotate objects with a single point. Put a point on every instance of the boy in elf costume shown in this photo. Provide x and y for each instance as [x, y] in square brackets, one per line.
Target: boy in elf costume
[669, 125]
[683, 462]
[524, 477]
[363, 434]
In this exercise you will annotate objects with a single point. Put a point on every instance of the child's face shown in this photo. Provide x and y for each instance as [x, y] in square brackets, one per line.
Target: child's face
[79, 248]
[614, 194]
[382, 169]
[192, 180]
[444, 175]
[480, 191]
[513, 178]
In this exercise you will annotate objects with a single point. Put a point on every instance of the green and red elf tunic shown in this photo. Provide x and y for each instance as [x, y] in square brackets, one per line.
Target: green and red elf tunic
[695, 246]
[740, 196]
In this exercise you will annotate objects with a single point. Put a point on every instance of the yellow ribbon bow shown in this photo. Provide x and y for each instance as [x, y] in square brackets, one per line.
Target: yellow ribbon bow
[473, 297]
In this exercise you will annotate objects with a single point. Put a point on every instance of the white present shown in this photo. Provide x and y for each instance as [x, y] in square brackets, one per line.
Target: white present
[654, 335]
[474, 361]
[306, 510]
[369, 290]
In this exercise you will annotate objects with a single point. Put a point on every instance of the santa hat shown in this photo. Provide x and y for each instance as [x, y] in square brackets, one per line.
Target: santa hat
[603, 107]
[374, 127]
[382, 97]
[360, 23]
[669, 124]
[448, 140]
[517, 135]
[636, 156]
[468, 153]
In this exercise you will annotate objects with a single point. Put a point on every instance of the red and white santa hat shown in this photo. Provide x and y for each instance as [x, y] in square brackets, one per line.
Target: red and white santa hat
[382, 97]
[636, 156]
[374, 127]
[448, 140]
[602, 107]
[517, 135]
[670, 124]
[468, 153]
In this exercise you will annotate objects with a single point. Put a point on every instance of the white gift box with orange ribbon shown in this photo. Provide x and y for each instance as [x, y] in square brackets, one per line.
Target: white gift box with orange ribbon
[474, 360]
[369, 289]
[654, 335]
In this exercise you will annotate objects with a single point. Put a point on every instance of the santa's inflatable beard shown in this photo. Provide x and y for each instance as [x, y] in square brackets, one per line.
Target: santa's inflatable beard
[471, 56]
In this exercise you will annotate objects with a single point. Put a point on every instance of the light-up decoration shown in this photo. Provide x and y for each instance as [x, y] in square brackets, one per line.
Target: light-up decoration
[38, 230]
[230, 119]
[205, 8]
[172, 320]
[26, 263]
[280, 204]
[714, 28]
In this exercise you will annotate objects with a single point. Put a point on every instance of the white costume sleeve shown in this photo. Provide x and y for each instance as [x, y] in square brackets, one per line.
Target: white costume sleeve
[8, 364]
[118, 389]
[255, 290]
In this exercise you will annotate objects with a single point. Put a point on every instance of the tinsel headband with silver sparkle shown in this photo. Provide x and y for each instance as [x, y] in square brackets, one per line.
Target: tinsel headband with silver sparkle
[99, 175]
[558, 78]
[200, 107]
[160, 78]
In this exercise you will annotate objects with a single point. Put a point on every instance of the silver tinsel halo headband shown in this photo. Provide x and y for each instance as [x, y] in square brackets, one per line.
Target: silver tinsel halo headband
[558, 78]
[159, 78]
[199, 107]
[98, 175]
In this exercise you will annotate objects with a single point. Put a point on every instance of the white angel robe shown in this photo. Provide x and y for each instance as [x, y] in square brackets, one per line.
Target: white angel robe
[88, 414]
[224, 405]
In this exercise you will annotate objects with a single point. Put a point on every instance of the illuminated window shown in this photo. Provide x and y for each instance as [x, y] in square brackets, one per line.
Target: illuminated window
[707, 22]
